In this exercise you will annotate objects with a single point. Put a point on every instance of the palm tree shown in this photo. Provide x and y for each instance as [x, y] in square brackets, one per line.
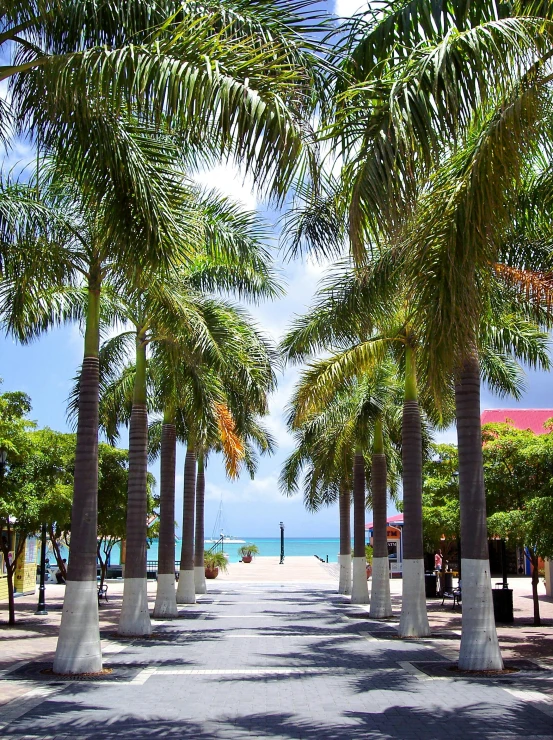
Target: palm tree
[231, 77]
[170, 311]
[166, 603]
[346, 307]
[381, 604]
[63, 48]
[80, 246]
[254, 439]
[327, 476]
[335, 422]
[411, 109]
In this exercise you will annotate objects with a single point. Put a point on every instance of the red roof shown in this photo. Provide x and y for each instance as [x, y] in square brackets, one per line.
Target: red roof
[532, 419]
[396, 519]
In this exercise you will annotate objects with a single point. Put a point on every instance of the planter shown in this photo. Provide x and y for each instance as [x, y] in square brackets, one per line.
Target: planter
[247, 558]
[211, 572]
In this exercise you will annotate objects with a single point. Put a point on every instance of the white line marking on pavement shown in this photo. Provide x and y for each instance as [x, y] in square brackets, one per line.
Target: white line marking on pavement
[410, 668]
[13, 667]
[23, 703]
[204, 615]
[542, 702]
[144, 675]
[114, 647]
[245, 616]
[239, 671]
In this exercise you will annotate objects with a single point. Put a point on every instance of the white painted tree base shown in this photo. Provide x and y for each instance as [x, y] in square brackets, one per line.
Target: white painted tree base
[199, 580]
[381, 602]
[134, 619]
[186, 590]
[479, 645]
[78, 649]
[359, 588]
[414, 619]
[166, 597]
[344, 583]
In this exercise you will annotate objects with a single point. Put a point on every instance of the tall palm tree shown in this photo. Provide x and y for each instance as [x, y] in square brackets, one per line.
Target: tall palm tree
[63, 47]
[335, 422]
[170, 311]
[231, 76]
[254, 438]
[346, 307]
[327, 476]
[487, 92]
[87, 249]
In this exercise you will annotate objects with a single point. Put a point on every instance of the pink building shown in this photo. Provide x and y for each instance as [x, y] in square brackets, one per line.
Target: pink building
[533, 419]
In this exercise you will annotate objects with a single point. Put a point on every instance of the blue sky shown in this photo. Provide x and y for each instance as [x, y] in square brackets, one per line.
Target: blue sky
[45, 370]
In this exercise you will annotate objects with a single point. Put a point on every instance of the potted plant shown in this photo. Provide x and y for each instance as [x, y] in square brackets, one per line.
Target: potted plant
[213, 562]
[247, 552]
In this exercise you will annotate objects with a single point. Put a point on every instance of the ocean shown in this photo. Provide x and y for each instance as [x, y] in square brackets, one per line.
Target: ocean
[323, 547]
[268, 546]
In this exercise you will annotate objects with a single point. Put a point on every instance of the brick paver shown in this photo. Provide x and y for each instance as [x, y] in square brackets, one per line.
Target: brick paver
[276, 660]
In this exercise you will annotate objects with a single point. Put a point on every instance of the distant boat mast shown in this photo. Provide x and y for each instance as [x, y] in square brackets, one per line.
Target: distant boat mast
[218, 531]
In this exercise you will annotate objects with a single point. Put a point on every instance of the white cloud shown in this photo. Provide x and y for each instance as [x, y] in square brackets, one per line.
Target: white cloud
[228, 180]
[347, 8]
[263, 489]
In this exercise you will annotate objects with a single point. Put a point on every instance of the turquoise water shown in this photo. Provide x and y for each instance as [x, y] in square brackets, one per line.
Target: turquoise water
[268, 546]
[271, 546]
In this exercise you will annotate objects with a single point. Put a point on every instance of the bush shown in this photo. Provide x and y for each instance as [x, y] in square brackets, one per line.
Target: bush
[248, 550]
[215, 560]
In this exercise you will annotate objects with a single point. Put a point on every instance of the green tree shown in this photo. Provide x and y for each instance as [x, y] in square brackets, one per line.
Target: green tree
[14, 442]
[518, 469]
[440, 503]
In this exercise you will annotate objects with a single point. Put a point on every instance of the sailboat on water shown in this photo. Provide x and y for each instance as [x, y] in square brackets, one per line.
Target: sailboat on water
[219, 527]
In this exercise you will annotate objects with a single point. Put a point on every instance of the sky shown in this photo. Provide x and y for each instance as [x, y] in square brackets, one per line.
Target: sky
[251, 508]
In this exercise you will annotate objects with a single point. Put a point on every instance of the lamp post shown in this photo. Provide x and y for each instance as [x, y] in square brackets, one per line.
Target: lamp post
[281, 543]
[41, 607]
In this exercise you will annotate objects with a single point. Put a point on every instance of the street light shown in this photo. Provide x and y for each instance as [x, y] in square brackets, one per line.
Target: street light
[41, 606]
[281, 543]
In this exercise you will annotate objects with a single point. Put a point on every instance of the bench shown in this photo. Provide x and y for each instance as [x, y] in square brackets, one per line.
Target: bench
[102, 593]
[455, 594]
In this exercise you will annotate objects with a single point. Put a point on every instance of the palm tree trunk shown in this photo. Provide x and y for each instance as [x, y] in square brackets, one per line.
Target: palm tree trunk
[135, 617]
[166, 596]
[479, 644]
[78, 649]
[359, 590]
[381, 603]
[199, 568]
[344, 503]
[414, 619]
[186, 591]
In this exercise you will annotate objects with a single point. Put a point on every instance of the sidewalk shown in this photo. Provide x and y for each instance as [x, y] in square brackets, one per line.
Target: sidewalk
[280, 659]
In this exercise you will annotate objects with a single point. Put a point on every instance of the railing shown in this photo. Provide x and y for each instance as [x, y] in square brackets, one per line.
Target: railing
[151, 565]
[218, 544]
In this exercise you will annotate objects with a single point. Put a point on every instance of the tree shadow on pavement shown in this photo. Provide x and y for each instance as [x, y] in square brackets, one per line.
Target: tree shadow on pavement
[476, 721]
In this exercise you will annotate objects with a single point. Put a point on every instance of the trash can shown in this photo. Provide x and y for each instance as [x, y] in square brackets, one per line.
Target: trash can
[503, 605]
[448, 584]
[430, 586]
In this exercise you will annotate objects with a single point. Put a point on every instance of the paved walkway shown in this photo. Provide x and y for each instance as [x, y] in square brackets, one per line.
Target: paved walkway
[274, 660]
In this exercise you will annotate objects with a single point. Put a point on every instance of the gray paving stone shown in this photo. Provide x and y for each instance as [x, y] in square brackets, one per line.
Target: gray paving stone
[281, 663]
